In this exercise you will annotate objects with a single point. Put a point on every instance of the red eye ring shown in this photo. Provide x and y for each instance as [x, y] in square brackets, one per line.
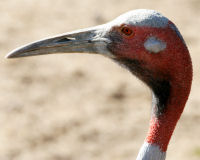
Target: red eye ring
[127, 31]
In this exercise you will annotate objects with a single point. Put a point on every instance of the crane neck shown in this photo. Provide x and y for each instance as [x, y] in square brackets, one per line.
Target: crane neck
[169, 96]
[168, 102]
[164, 117]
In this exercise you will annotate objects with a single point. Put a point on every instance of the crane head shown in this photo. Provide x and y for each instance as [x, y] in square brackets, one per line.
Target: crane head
[152, 48]
[144, 41]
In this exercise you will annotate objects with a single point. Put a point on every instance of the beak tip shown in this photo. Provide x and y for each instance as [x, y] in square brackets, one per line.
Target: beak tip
[10, 55]
[14, 53]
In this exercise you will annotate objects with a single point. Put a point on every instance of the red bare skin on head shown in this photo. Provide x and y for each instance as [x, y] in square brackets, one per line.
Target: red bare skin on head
[172, 64]
[133, 48]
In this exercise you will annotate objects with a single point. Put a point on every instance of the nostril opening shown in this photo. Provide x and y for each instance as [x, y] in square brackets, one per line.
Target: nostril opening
[65, 40]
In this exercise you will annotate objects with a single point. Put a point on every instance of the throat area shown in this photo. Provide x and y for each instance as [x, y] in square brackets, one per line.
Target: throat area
[166, 111]
[164, 117]
[169, 98]
[170, 93]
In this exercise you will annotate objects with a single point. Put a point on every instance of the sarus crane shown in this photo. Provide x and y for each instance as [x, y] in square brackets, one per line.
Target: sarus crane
[151, 47]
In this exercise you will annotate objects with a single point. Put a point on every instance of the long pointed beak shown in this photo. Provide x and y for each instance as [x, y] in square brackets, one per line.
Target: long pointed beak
[91, 40]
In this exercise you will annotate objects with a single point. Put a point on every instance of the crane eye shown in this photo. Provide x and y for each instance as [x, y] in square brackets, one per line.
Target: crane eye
[127, 31]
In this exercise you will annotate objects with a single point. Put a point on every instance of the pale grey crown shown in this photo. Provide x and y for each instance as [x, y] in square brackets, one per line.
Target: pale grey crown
[146, 18]
[143, 17]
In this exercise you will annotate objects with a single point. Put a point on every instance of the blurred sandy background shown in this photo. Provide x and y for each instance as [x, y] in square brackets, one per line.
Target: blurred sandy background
[84, 107]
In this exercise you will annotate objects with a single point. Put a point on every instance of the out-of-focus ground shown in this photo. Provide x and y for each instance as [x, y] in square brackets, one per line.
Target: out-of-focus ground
[84, 107]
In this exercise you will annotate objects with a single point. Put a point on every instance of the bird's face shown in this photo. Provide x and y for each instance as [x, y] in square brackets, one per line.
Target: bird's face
[146, 43]
[146, 48]
[142, 40]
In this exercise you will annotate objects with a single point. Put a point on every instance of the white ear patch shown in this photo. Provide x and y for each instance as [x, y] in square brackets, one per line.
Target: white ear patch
[154, 45]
